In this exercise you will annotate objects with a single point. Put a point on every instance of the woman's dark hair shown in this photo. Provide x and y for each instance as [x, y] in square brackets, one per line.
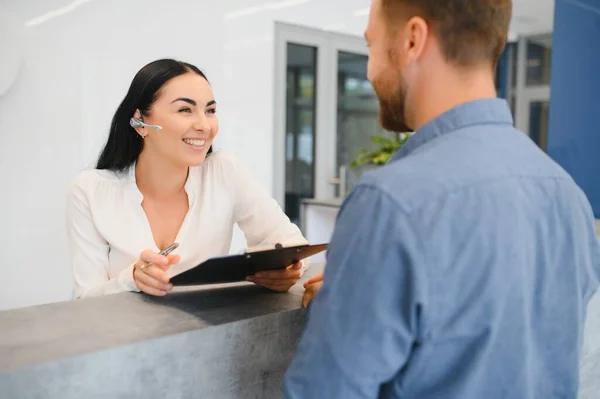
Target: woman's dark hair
[124, 144]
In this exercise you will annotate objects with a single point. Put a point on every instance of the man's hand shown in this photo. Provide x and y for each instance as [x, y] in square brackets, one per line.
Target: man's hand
[312, 286]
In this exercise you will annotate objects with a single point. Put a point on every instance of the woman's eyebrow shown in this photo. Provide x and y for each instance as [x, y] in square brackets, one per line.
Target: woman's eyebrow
[187, 100]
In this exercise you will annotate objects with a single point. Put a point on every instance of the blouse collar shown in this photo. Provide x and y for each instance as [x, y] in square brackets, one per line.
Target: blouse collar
[190, 188]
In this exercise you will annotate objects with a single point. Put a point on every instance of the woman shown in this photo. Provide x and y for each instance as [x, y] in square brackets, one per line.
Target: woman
[157, 182]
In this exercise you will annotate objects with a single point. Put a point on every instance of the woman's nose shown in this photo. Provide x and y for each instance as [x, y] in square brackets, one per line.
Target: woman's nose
[201, 124]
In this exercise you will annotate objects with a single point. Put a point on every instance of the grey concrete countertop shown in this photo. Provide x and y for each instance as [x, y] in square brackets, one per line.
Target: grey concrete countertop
[38, 334]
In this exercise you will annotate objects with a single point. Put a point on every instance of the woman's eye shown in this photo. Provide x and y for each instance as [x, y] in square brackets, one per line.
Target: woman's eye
[185, 109]
[212, 111]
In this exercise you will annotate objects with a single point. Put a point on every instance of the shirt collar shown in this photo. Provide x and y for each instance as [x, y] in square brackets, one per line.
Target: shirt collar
[189, 187]
[492, 111]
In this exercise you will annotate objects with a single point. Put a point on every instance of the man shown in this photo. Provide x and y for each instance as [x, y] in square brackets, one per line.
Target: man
[461, 269]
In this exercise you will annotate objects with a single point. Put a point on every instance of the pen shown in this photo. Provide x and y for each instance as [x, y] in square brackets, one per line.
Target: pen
[164, 252]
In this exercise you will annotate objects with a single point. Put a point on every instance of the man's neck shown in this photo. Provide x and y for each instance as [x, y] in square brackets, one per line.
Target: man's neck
[159, 180]
[448, 91]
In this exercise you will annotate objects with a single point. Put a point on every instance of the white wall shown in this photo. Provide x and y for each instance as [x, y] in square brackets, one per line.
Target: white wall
[78, 58]
[77, 63]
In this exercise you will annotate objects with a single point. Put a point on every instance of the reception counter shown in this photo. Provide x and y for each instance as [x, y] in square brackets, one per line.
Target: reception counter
[230, 341]
[226, 341]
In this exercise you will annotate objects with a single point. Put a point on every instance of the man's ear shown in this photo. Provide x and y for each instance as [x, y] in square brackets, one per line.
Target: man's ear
[416, 33]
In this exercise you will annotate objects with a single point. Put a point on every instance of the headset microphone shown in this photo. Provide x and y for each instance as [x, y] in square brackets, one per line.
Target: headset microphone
[134, 122]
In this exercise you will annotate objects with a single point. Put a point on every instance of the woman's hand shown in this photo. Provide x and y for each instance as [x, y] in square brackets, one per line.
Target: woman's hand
[153, 279]
[278, 280]
[312, 286]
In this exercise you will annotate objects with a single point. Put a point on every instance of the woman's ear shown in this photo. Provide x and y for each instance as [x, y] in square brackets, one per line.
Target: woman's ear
[139, 130]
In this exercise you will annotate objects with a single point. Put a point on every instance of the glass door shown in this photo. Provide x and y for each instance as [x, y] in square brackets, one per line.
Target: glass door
[539, 112]
[534, 111]
[300, 127]
[531, 87]
[357, 118]
[326, 112]
[299, 97]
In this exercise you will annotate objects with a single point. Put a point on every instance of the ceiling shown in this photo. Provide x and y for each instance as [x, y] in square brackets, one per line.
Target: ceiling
[530, 17]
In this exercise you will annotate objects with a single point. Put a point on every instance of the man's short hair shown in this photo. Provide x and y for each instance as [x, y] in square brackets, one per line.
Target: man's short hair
[471, 32]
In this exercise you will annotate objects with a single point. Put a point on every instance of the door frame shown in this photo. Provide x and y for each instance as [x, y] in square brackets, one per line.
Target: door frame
[328, 45]
[529, 95]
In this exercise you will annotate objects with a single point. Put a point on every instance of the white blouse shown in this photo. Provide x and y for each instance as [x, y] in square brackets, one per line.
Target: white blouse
[107, 228]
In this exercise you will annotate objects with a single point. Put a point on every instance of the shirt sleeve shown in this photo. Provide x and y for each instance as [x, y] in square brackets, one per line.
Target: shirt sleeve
[259, 216]
[365, 320]
[89, 252]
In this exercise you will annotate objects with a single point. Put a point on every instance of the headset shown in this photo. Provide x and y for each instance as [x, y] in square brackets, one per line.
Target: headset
[135, 122]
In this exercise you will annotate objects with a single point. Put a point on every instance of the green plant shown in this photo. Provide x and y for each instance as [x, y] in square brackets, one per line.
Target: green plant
[385, 147]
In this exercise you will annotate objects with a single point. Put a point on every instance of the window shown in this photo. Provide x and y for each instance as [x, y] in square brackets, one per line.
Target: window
[539, 56]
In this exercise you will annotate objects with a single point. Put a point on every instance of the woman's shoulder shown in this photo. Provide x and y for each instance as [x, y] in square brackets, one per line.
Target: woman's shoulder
[223, 157]
[87, 181]
[223, 161]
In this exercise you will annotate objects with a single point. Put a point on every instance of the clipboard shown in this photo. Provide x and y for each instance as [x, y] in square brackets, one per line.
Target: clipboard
[235, 268]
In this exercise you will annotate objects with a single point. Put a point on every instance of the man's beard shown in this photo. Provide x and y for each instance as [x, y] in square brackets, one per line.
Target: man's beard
[392, 106]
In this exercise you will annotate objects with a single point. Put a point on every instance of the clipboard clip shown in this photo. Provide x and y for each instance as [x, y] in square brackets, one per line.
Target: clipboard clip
[248, 254]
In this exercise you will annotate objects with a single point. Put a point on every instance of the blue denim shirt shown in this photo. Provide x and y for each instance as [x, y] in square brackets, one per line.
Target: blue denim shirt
[461, 269]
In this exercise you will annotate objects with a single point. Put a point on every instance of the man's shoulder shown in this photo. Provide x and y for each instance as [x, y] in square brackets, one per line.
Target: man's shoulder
[409, 181]
[435, 171]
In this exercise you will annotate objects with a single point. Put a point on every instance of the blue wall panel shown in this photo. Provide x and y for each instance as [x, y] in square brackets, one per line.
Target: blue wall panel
[574, 125]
